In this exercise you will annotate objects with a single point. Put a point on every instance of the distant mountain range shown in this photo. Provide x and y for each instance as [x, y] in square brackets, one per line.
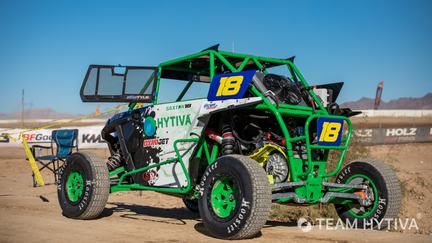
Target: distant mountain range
[404, 103]
[44, 113]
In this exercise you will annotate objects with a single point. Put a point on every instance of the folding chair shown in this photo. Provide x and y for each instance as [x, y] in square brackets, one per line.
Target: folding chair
[65, 141]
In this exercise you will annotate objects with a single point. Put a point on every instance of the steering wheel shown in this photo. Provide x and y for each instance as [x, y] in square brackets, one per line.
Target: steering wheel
[333, 108]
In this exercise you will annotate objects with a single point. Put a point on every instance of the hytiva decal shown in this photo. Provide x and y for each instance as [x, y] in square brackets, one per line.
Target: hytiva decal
[173, 121]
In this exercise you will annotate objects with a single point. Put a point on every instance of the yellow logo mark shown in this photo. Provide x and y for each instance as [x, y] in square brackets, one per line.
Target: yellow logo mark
[330, 132]
[229, 85]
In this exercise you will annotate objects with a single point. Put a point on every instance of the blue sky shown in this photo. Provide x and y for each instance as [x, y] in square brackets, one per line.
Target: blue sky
[46, 46]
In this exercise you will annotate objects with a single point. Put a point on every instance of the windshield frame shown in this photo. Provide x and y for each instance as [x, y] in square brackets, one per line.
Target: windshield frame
[139, 97]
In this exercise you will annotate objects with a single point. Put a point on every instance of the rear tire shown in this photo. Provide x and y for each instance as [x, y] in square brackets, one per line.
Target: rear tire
[385, 188]
[235, 197]
[83, 186]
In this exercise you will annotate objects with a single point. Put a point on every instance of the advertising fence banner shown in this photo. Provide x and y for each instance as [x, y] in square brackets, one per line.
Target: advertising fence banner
[90, 137]
[393, 135]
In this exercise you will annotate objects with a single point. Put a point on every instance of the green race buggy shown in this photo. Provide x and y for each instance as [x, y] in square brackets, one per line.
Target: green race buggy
[238, 136]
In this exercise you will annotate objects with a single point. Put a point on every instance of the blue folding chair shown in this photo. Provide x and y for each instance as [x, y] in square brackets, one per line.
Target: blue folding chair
[65, 141]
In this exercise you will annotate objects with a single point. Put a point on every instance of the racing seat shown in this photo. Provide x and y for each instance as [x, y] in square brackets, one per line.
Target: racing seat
[65, 141]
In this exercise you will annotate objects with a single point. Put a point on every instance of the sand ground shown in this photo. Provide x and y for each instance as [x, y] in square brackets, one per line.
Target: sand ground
[30, 214]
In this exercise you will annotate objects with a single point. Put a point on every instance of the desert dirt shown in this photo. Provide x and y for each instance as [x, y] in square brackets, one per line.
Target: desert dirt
[30, 214]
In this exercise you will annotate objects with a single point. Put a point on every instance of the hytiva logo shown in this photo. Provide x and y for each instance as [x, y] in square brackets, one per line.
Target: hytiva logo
[174, 121]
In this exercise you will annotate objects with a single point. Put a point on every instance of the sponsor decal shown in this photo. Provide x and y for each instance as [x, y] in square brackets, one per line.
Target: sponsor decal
[92, 138]
[210, 106]
[149, 126]
[37, 137]
[178, 107]
[155, 142]
[230, 85]
[139, 97]
[174, 121]
[364, 133]
[393, 132]
[329, 131]
[150, 176]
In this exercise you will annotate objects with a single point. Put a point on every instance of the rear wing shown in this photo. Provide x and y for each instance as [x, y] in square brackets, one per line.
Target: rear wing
[109, 83]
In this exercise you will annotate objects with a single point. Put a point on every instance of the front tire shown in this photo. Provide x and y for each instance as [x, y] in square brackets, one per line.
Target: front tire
[384, 187]
[83, 186]
[235, 197]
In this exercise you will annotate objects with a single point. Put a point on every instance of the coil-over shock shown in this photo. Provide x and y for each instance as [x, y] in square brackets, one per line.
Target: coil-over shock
[228, 140]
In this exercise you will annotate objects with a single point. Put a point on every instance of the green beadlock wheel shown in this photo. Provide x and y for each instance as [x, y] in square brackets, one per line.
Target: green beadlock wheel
[236, 197]
[384, 192]
[363, 211]
[75, 186]
[224, 197]
[83, 186]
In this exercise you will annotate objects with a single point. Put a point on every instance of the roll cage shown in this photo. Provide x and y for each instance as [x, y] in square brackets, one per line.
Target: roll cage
[202, 67]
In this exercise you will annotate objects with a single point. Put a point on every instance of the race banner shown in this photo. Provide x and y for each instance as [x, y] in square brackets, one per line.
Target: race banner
[88, 137]
[394, 135]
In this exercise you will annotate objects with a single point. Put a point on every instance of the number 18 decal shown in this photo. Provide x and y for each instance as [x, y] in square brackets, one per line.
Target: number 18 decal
[230, 85]
[329, 131]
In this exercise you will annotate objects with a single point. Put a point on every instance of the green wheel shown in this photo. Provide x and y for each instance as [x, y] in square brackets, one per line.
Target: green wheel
[235, 197]
[75, 186]
[383, 191]
[83, 186]
[224, 197]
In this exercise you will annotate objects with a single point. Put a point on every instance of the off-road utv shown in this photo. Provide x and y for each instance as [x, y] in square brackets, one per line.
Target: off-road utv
[238, 136]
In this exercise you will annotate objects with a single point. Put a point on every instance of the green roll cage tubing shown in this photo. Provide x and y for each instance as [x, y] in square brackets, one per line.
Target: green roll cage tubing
[312, 190]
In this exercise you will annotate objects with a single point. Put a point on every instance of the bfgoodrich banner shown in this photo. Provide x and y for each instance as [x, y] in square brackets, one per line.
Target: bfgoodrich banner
[88, 137]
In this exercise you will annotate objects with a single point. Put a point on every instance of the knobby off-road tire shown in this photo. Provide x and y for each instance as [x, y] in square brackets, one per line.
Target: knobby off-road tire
[387, 194]
[235, 197]
[83, 186]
